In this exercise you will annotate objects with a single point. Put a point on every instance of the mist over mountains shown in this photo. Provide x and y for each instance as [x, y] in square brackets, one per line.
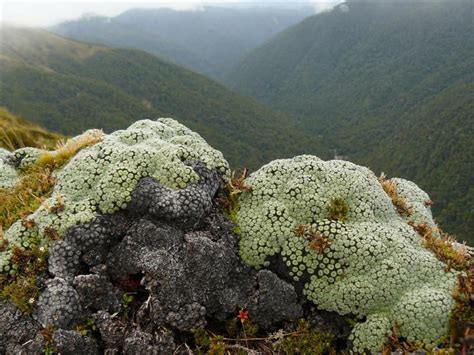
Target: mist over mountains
[210, 40]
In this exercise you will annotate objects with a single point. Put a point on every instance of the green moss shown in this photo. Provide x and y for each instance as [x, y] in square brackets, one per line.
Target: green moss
[232, 214]
[87, 328]
[23, 292]
[217, 346]
[306, 341]
[201, 338]
[337, 209]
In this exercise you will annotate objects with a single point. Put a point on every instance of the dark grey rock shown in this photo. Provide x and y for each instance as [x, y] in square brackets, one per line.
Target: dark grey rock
[96, 292]
[138, 342]
[112, 330]
[59, 305]
[72, 343]
[16, 329]
[175, 253]
[274, 301]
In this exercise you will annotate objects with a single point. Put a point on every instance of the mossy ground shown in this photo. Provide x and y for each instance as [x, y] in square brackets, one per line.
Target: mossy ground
[243, 337]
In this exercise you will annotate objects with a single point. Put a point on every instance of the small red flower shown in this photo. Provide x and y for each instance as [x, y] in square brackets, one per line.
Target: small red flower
[243, 315]
[428, 203]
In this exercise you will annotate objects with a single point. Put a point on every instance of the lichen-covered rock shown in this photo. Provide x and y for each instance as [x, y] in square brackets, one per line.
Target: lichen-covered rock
[336, 231]
[16, 328]
[72, 343]
[140, 253]
[134, 225]
[8, 174]
[59, 305]
[100, 179]
[139, 342]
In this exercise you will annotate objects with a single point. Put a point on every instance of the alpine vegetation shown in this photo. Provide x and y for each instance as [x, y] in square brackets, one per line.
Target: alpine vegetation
[100, 179]
[141, 241]
[367, 261]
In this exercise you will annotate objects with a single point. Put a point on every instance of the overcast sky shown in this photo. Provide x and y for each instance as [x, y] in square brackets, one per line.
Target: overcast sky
[46, 13]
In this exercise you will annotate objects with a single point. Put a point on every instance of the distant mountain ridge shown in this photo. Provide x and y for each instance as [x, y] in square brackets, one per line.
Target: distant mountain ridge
[387, 84]
[68, 86]
[209, 41]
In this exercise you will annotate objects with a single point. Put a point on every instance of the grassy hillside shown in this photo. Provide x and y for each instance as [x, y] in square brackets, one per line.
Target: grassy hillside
[385, 83]
[209, 41]
[17, 133]
[67, 86]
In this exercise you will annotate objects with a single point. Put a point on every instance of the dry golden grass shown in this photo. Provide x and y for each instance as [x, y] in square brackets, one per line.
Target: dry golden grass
[65, 150]
[391, 190]
[317, 241]
[26, 196]
[18, 133]
[36, 183]
[444, 247]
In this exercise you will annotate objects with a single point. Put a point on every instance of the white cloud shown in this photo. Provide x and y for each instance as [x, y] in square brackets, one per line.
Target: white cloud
[37, 13]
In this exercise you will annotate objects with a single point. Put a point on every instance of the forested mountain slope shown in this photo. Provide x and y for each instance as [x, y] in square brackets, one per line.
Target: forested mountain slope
[387, 84]
[68, 86]
[210, 40]
[434, 146]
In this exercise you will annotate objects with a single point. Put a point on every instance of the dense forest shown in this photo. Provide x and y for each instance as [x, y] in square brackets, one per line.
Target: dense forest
[388, 85]
[68, 86]
[210, 40]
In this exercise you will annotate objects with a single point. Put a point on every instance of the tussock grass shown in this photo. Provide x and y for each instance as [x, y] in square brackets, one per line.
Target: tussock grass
[37, 182]
[18, 133]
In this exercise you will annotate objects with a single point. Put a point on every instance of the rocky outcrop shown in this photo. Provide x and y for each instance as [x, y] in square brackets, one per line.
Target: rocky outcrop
[174, 252]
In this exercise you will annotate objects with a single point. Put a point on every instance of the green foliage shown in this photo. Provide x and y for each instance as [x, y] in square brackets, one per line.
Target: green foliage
[386, 84]
[87, 328]
[306, 341]
[67, 86]
[127, 299]
[433, 146]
